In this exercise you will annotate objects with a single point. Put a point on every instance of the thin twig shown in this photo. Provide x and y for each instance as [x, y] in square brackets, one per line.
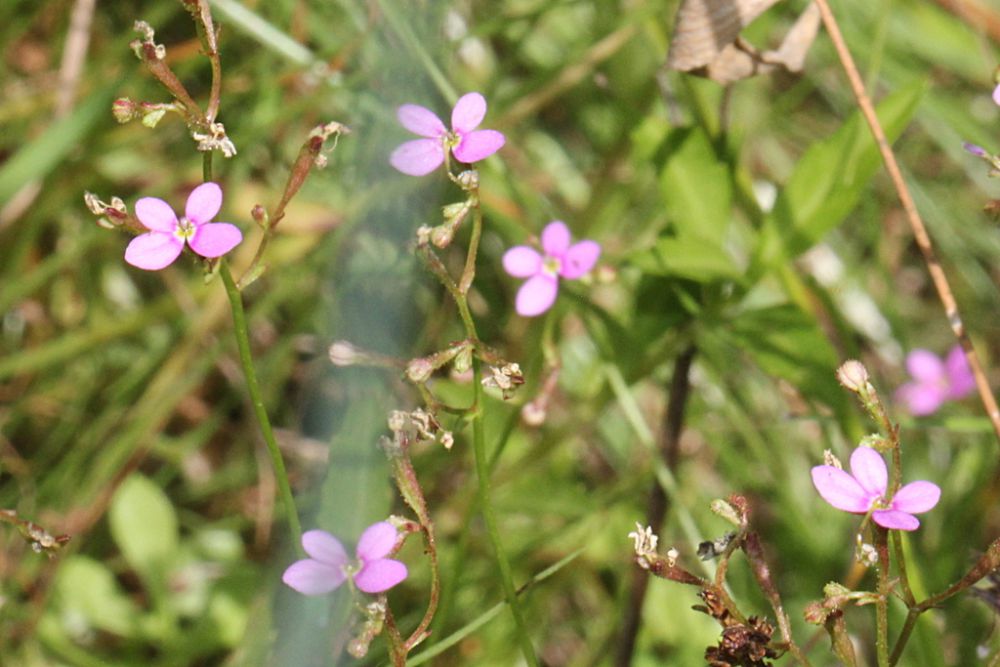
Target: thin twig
[656, 507]
[912, 215]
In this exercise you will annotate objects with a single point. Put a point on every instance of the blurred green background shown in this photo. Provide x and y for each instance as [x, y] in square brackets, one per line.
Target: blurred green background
[123, 415]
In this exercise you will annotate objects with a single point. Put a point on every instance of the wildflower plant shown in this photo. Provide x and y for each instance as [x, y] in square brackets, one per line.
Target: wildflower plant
[871, 489]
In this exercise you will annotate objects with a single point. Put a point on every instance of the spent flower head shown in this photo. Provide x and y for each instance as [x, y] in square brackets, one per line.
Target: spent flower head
[864, 490]
[422, 156]
[328, 565]
[561, 259]
[164, 242]
[935, 380]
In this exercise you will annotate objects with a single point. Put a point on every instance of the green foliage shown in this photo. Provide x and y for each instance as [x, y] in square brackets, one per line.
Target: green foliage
[124, 422]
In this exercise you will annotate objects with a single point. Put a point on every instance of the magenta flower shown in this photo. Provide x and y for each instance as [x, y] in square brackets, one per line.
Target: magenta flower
[561, 259]
[935, 380]
[467, 144]
[329, 566]
[864, 490]
[165, 240]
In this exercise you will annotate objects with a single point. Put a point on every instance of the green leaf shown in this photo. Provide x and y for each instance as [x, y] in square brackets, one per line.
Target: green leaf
[695, 185]
[695, 257]
[830, 179]
[144, 526]
[787, 343]
[88, 590]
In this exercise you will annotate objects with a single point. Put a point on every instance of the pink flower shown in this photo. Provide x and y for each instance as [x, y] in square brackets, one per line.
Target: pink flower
[467, 144]
[865, 489]
[935, 381]
[996, 95]
[561, 259]
[328, 566]
[165, 240]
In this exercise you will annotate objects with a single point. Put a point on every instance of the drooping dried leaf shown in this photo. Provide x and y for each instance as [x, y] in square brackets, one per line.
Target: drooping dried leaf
[707, 40]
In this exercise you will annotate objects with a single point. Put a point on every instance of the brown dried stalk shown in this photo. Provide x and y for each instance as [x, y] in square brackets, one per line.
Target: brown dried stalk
[912, 215]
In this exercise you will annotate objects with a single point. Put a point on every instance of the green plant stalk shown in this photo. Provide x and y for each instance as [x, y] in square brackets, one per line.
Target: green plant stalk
[246, 361]
[882, 604]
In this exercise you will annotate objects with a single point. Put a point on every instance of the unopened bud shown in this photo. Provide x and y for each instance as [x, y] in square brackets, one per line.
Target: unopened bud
[725, 511]
[423, 235]
[831, 460]
[448, 439]
[534, 413]
[343, 353]
[468, 180]
[124, 110]
[463, 360]
[152, 115]
[452, 211]
[442, 235]
[853, 375]
[260, 216]
[419, 370]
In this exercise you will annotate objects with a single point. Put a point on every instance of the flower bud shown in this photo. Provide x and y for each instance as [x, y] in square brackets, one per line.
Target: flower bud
[124, 110]
[468, 180]
[419, 370]
[853, 376]
[725, 511]
[343, 353]
[463, 360]
[442, 235]
[260, 216]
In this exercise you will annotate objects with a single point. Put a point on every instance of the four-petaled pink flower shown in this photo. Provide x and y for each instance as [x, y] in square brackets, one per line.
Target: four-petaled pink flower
[329, 566]
[165, 240]
[935, 380]
[864, 490]
[467, 144]
[561, 259]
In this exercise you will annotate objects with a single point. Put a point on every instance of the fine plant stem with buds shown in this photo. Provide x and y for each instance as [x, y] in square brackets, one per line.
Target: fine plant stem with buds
[920, 234]
[882, 602]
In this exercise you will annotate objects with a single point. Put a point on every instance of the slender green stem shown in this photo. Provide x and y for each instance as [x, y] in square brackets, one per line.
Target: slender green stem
[882, 604]
[489, 515]
[246, 361]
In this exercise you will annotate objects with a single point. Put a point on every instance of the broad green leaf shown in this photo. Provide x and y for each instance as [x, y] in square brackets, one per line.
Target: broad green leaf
[695, 185]
[830, 179]
[695, 257]
[143, 525]
[787, 343]
[88, 590]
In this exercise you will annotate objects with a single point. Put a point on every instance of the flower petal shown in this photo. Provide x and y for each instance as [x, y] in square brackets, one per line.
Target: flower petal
[377, 541]
[868, 468]
[324, 547]
[960, 379]
[522, 261]
[536, 295]
[311, 577]
[153, 251]
[579, 259]
[478, 145]
[215, 239]
[418, 157]
[916, 497]
[468, 113]
[840, 489]
[555, 238]
[380, 575]
[421, 121]
[156, 214]
[895, 520]
[921, 399]
[203, 203]
[925, 366]
[996, 95]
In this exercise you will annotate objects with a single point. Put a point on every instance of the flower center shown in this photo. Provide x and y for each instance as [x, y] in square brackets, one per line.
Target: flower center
[450, 140]
[551, 265]
[185, 229]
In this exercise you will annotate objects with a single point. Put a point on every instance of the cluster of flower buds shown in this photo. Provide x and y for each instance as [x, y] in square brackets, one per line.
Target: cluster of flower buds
[442, 235]
[507, 378]
[109, 216]
[41, 540]
[418, 426]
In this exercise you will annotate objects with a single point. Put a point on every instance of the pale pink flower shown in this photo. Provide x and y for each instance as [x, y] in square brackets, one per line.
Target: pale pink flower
[164, 242]
[562, 259]
[865, 489]
[935, 380]
[328, 565]
[467, 144]
[996, 95]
